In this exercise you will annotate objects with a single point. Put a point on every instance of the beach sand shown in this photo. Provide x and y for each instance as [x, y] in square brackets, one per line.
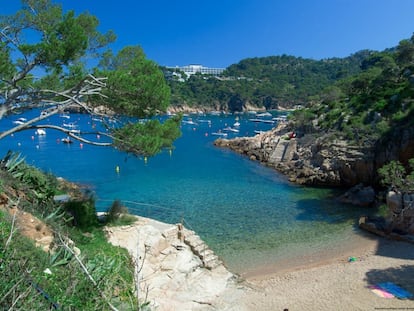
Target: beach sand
[335, 283]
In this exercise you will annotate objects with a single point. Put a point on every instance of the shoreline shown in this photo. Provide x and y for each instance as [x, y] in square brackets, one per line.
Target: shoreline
[362, 243]
[336, 283]
[328, 281]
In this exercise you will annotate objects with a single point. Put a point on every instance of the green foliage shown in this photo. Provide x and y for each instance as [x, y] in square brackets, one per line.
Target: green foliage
[83, 213]
[395, 175]
[265, 82]
[373, 104]
[25, 286]
[135, 86]
[41, 36]
[118, 215]
[149, 137]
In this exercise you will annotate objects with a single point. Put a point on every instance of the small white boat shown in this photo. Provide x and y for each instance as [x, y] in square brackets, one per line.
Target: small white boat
[262, 121]
[219, 134]
[20, 121]
[215, 113]
[70, 125]
[236, 124]
[282, 118]
[66, 140]
[230, 129]
[264, 114]
[189, 121]
[40, 132]
[64, 115]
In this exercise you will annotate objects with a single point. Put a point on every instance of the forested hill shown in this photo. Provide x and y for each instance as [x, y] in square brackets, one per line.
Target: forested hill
[351, 129]
[376, 103]
[267, 82]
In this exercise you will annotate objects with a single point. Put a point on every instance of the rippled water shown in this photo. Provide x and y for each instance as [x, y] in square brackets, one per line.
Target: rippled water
[249, 214]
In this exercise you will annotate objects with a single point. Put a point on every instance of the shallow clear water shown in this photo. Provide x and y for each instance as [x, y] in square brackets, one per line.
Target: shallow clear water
[248, 214]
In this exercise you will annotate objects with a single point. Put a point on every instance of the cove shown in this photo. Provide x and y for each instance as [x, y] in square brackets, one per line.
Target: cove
[247, 213]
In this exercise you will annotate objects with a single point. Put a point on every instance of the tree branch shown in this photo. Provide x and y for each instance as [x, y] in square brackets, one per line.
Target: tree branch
[73, 135]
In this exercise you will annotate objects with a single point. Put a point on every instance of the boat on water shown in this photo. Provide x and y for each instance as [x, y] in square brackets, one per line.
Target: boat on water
[236, 124]
[230, 129]
[66, 140]
[262, 120]
[282, 118]
[20, 121]
[219, 134]
[189, 121]
[264, 114]
[40, 132]
[70, 125]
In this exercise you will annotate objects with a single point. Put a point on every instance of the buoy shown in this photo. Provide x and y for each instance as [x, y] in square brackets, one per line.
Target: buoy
[81, 145]
[98, 136]
[170, 151]
[145, 160]
[117, 168]
[32, 137]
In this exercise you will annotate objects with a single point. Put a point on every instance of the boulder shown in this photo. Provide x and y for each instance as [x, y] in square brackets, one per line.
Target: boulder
[359, 195]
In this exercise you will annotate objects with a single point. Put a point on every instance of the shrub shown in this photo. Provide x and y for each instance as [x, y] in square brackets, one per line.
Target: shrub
[83, 213]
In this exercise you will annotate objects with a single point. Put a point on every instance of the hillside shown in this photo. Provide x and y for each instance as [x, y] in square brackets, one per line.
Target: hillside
[54, 255]
[268, 82]
[352, 128]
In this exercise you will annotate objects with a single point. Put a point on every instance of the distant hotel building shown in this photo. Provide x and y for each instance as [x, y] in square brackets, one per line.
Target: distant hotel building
[193, 69]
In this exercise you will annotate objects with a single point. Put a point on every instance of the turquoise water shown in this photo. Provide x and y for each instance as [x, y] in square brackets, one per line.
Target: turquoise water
[248, 214]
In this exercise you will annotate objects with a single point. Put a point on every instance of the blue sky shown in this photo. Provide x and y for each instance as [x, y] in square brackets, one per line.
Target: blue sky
[220, 33]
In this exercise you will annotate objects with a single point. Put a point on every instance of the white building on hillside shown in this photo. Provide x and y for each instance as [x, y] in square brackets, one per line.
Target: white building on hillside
[193, 69]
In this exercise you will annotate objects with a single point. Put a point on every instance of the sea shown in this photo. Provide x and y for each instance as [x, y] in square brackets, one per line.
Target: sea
[250, 215]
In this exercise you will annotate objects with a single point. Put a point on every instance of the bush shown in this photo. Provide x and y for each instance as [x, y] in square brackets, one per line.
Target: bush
[118, 214]
[83, 213]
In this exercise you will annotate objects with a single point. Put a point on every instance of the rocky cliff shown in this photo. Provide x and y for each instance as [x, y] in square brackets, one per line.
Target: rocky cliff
[322, 159]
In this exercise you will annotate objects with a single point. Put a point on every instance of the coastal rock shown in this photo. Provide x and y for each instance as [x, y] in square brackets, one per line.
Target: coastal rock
[322, 159]
[401, 207]
[177, 267]
[359, 195]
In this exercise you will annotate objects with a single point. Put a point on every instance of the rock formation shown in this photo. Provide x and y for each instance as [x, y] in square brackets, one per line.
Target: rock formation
[177, 270]
[322, 159]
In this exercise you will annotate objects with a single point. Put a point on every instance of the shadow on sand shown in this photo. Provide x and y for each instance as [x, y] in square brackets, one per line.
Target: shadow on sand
[331, 212]
[402, 276]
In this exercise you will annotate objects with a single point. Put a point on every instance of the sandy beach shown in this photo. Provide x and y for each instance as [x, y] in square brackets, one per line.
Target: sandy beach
[328, 282]
[336, 283]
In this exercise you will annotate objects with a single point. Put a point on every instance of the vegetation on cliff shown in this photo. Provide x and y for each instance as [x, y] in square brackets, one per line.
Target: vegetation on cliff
[55, 255]
[372, 104]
